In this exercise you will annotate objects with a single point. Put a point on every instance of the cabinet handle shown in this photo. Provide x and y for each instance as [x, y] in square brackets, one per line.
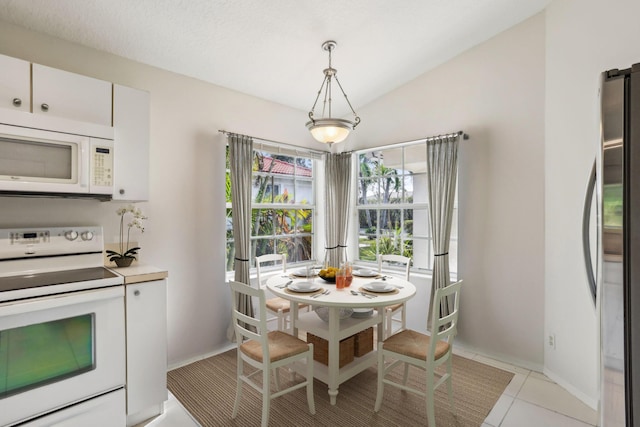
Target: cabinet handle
[121, 191]
[17, 102]
[136, 292]
[44, 107]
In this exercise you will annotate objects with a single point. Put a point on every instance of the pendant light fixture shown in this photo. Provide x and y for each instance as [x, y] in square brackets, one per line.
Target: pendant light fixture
[328, 129]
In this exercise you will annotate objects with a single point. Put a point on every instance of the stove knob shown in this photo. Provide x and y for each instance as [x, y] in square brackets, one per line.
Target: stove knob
[71, 235]
[87, 235]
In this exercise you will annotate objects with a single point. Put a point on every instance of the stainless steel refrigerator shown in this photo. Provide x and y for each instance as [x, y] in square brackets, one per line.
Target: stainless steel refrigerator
[615, 284]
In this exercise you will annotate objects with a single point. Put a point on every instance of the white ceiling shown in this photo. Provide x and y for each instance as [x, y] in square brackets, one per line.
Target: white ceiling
[272, 48]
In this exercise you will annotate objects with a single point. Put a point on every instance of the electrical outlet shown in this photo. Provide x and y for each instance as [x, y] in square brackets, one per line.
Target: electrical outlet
[552, 341]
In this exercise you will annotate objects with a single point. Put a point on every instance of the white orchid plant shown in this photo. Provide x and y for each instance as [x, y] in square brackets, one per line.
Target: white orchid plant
[136, 222]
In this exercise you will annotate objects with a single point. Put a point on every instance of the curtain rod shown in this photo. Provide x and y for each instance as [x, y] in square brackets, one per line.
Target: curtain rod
[430, 138]
[297, 147]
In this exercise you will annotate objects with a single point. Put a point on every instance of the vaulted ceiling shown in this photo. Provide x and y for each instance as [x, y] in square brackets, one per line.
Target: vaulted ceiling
[272, 48]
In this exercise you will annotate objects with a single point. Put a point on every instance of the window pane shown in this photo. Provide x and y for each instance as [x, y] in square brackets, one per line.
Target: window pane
[304, 220]
[420, 225]
[389, 221]
[367, 248]
[262, 222]
[284, 221]
[368, 191]
[231, 253]
[415, 158]
[262, 247]
[390, 187]
[391, 159]
[418, 191]
[422, 254]
[303, 192]
[304, 167]
[368, 222]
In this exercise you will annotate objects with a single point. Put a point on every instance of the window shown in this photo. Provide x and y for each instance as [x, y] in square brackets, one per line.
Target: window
[283, 206]
[392, 206]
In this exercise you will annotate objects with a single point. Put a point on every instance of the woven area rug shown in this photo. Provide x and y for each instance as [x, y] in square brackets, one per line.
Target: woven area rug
[207, 389]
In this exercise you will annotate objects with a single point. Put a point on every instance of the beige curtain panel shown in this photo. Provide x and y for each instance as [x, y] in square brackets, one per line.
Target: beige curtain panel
[240, 161]
[442, 167]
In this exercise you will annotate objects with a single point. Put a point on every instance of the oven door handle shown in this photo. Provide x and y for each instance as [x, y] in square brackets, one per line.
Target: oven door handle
[55, 301]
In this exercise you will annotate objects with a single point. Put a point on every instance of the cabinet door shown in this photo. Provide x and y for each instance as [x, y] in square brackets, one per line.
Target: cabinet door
[15, 83]
[73, 96]
[131, 138]
[146, 305]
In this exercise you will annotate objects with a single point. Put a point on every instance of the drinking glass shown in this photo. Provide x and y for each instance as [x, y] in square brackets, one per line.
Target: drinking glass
[341, 279]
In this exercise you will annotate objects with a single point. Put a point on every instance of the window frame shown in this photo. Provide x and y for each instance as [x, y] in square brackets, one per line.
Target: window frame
[402, 206]
[275, 149]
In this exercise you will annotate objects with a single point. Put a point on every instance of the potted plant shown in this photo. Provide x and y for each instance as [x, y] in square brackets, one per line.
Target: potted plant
[126, 255]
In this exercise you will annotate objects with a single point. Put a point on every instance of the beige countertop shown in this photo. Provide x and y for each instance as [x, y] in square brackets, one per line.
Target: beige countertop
[138, 273]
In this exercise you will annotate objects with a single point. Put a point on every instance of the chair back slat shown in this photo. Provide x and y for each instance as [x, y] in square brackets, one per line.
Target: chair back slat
[445, 327]
[398, 259]
[275, 258]
[243, 323]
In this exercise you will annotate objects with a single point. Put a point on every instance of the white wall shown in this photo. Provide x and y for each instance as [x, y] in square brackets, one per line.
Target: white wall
[495, 93]
[584, 38]
[186, 228]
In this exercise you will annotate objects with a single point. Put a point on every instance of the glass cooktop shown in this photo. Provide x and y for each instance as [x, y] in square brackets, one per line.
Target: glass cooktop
[27, 281]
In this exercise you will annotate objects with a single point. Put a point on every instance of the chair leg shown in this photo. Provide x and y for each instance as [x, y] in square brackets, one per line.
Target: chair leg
[276, 377]
[239, 370]
[450, 385]
[380, 378]
[431, 418]
[406, 373]
[310, 400]
[266, 396]
[388, 319]
[280, 321]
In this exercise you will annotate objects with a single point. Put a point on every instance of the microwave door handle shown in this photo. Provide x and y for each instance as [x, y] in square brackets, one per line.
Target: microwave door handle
[84, 164]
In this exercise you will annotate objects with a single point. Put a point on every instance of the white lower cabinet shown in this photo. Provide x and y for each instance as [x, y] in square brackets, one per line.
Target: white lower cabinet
[146, 308]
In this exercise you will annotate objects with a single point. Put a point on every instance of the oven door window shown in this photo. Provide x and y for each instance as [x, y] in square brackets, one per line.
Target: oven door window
[43, 353]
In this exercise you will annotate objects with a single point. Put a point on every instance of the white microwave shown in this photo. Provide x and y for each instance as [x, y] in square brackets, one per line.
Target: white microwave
[44, 162]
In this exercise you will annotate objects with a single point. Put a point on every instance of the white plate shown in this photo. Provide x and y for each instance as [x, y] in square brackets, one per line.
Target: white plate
[369, 287]
[370, 274]
[296, 288]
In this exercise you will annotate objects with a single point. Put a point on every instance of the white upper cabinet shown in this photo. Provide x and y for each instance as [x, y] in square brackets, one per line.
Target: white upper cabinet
[63, 94]
[15, 84]
[131, 138]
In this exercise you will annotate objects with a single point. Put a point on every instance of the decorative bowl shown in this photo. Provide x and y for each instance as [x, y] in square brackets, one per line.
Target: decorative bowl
[328, 274]
[323, 313]
[329, 279]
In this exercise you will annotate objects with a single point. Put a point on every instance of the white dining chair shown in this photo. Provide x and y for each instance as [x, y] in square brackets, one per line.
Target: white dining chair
[423, 351]
[395, 313]
[280, 308]
[266, 352]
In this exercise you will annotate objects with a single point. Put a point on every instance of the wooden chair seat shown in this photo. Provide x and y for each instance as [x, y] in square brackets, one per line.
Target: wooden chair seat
[278, 304]
[414, 344]
[281, 345]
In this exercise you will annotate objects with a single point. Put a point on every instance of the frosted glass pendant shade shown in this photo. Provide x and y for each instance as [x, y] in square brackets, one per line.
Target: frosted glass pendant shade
[330, 131]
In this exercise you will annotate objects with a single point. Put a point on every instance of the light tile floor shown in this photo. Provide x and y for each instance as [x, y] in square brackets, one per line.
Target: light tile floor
[530, 400]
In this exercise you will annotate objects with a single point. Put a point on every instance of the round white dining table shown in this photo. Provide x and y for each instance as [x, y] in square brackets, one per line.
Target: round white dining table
[337, 329]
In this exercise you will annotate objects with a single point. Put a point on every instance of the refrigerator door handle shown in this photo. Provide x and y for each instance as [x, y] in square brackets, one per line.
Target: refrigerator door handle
[586, 243]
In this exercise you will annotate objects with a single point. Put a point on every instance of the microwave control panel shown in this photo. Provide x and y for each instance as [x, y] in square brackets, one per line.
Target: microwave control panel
[102, 166]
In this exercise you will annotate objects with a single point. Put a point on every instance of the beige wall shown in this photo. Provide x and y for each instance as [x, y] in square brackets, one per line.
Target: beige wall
[185, 232]
[584, 38]
[495, 93]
